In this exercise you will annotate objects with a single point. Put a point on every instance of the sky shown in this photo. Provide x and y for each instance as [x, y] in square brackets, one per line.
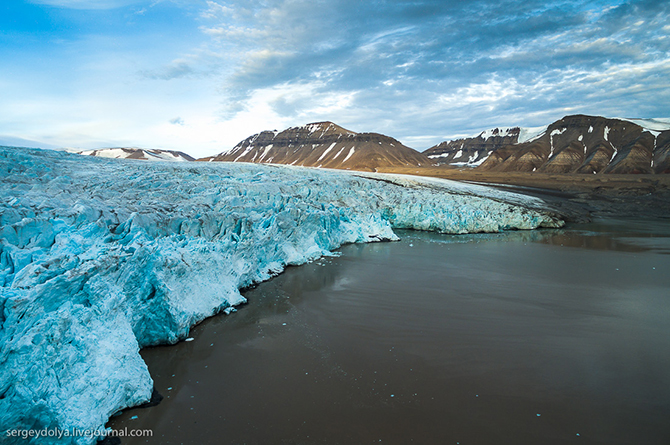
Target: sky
[202, 75]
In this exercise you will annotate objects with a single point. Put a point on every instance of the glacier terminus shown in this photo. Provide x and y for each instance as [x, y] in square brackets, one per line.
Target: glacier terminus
[102, 257]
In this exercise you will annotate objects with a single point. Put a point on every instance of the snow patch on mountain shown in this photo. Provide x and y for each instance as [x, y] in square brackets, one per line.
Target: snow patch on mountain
[525, 134]
[443, 155]
[529, 134]
[502, 132]
[265, 151]
[657, 124]
[323, 155]
[338, 153]
[556, 132]
[472, 162]
[351, 152]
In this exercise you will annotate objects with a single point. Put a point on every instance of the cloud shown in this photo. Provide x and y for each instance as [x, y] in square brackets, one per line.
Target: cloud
[417, 64]
[420, 70]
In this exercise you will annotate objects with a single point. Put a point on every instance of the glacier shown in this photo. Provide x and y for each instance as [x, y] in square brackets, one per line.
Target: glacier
[100, 258]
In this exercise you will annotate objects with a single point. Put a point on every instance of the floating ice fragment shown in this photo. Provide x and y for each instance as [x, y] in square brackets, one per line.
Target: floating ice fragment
[133, 418]
[190, 339]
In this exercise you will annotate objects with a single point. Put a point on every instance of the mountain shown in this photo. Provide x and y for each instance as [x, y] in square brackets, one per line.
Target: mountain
[574, 144]
[324, 144]
[473, 151]
[136, 153]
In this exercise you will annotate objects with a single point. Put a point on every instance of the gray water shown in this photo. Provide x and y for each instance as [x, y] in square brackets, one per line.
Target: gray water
[542, 337]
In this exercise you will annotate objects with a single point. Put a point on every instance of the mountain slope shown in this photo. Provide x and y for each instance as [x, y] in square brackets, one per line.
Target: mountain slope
[324, 144]
[588, 144]
[473, 151]
[137, 153]
[574, 144]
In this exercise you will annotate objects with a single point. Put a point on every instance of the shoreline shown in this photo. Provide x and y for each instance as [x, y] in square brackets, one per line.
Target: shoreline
[578, 197]
[326, 335]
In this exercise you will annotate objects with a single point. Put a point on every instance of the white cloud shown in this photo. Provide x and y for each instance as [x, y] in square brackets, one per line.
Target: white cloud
[368, 67]
[483, 93]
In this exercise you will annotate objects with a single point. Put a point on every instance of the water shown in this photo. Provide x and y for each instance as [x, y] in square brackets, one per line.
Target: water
[544, 337]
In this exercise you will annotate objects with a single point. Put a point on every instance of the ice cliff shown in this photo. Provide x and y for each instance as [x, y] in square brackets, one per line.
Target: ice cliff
[99, 258]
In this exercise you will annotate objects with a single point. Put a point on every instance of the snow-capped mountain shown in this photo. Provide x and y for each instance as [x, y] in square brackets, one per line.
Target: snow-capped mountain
[473, 151]
[324, 144]
[574, 144]
[136, 153]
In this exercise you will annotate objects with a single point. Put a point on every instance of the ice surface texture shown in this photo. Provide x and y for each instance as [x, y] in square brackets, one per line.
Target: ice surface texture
[99, 258]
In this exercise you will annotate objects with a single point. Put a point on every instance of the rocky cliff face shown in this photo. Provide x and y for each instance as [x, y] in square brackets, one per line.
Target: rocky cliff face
[574, 144]
[324, 144]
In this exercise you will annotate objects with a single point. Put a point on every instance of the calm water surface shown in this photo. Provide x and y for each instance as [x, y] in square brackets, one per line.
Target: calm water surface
[544, 337]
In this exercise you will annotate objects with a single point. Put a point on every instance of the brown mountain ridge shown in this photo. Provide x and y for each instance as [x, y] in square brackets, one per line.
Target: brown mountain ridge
[573, 144]
[471, 152]
[324, 144]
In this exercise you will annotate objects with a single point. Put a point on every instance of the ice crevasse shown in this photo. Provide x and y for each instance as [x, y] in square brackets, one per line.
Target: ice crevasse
[99, 258]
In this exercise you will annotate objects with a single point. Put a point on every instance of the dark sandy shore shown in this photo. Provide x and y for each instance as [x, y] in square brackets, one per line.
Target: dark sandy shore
[577, 196]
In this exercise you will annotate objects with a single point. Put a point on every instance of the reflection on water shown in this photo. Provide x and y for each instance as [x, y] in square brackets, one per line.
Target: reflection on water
[617, 235]
[528, 337]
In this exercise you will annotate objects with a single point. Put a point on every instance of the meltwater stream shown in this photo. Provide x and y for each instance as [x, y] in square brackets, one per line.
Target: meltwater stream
[542, 337]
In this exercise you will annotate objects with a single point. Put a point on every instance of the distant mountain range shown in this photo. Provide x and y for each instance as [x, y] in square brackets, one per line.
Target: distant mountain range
[324, 144]
[574, 144]
[136, 153]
